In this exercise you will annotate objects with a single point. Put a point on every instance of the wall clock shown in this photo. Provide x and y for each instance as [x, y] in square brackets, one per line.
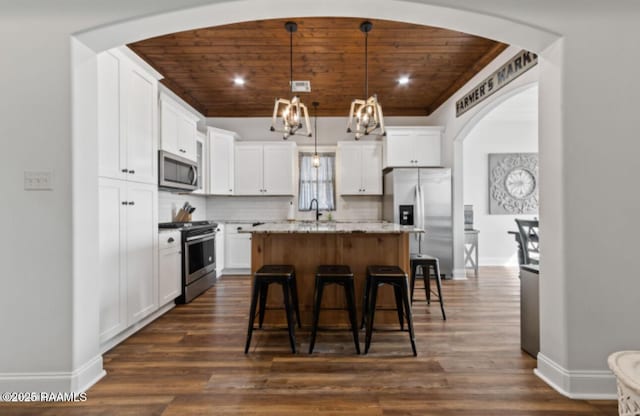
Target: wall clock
[513, 183]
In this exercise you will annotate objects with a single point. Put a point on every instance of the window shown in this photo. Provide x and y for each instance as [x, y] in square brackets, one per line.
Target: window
[317, 182]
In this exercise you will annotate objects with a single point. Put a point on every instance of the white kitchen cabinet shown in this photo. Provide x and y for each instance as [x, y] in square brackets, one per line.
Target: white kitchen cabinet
[127, 118]
[178, 129]
[128, 233]
[113, 249]
[360, 168]
[412, 146]
[264, 169]
[237, 249]
[142, 236]
[221, 161]
[220, 249]
[203, 165]
[170, 266]
[248, 169]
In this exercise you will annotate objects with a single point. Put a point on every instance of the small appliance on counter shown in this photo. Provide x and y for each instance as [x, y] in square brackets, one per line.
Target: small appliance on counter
[198, 256]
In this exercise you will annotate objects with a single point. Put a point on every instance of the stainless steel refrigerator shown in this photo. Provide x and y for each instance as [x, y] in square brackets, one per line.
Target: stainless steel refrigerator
[425, 197]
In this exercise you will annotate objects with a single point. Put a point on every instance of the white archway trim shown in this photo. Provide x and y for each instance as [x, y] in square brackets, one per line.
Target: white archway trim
[493, 103]
[227, 12]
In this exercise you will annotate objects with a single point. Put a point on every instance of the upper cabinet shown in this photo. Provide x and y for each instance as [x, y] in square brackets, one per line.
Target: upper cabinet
[264, 168]
[203, 164]
[412, 146]
[221, 162]
[178, 129]
[127, 119]
[360, 168]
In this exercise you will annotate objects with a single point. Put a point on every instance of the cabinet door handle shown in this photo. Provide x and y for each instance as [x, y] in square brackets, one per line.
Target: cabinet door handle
[124, 202]
[132, 172]
[230, 190]
[125, 170]
[171, 240]
[131, 203]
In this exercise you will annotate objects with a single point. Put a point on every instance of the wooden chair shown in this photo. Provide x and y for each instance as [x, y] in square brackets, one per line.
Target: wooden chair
[529, 241]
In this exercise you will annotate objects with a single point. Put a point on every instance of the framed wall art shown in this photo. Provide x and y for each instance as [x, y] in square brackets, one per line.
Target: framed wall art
[513, 183]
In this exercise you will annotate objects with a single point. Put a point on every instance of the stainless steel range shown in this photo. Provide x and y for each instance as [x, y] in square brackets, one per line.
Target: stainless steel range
[198, 257]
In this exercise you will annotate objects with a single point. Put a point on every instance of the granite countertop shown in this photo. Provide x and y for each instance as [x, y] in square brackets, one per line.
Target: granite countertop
[331, 227]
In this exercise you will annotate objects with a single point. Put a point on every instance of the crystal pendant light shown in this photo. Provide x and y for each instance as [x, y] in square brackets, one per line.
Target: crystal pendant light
[315, 160]
[365, 116]
[294, 117]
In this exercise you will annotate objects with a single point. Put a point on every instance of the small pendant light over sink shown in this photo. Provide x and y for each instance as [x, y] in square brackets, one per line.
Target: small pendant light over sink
[293, 113]
[366, 114]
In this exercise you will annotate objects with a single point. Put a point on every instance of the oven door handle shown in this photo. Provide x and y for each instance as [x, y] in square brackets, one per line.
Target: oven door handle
[204, 237]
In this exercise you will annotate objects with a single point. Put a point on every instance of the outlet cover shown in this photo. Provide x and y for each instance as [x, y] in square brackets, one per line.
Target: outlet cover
[38, 180]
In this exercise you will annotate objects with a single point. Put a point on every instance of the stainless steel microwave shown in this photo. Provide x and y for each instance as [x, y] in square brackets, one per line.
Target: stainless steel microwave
[176, 172]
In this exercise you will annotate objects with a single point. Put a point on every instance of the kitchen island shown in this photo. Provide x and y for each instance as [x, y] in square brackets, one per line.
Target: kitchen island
[306, 245]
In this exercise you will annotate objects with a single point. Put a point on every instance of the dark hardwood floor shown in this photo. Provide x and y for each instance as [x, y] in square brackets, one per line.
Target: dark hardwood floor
[191, 362]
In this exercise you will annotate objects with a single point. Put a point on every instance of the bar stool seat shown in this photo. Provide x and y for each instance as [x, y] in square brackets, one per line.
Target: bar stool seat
[284, 275]
[396, 277]
[340, 275]
[427, 263]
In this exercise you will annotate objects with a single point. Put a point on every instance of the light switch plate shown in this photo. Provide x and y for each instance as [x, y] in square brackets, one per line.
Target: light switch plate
[38, 180]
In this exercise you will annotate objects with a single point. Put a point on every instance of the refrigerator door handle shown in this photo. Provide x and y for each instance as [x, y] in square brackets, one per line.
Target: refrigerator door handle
[419, 215]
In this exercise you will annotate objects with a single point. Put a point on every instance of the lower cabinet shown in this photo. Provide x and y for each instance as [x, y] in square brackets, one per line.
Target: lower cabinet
[170, 266]
[237, 249]
[128, 256]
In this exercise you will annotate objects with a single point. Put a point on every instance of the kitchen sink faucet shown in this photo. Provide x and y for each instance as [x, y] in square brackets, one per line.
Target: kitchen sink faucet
[318, 213]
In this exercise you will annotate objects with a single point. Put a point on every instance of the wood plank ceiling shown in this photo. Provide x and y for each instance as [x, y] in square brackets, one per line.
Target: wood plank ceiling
[200, 65]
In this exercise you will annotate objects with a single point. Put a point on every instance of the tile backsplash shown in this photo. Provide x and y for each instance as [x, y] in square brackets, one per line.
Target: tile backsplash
[274, 208]
[263, 208]
[169, 203]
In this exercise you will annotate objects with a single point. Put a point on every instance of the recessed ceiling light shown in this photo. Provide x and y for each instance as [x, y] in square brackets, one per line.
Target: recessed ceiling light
[403, 80]
[238, 81]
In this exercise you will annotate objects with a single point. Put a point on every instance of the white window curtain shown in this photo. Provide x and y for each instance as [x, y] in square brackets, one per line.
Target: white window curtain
[317, 182]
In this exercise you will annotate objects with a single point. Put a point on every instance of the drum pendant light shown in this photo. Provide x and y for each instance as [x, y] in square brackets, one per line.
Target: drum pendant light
[365, 116]
[294, 116]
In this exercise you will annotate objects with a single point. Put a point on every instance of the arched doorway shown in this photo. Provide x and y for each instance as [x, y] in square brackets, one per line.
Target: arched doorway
[509, 126]
[86, 44]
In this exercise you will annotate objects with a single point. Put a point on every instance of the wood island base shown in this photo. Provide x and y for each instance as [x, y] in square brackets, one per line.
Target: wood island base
[306, 251]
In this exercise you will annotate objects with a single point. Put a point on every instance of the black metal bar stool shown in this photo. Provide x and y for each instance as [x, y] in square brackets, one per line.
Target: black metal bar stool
[427, 263]
[285, 276]
[396, 277]
[340, 275]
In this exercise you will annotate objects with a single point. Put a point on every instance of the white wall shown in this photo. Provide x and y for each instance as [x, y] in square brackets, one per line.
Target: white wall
[587, 120]
[511, 127]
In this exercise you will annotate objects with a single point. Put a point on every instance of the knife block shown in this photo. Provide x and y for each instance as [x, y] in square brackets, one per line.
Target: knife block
[183, 216]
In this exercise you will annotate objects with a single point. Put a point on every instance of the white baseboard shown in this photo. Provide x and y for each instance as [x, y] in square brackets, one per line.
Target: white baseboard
[234, 272]
[459, 274]
[77, 381]
[581, 385]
